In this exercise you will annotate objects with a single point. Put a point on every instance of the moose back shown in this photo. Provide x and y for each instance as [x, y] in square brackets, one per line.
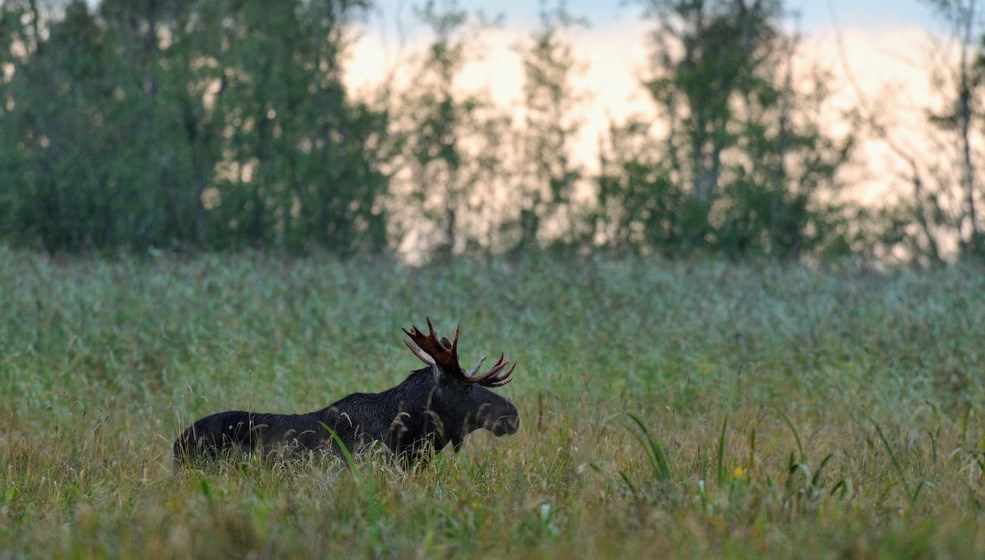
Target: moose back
[436, 405]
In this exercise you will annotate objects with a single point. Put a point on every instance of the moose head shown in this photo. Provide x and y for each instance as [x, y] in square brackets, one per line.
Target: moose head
[461, 400]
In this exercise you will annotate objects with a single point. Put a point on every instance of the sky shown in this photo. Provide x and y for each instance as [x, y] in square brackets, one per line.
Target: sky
[814, 13]
[877, 31]
[812, 16]
[878, 51]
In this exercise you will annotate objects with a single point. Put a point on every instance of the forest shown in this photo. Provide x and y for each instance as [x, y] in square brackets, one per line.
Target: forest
[140, 126]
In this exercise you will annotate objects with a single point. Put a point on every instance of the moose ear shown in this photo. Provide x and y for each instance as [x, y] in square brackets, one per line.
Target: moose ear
[440, 379]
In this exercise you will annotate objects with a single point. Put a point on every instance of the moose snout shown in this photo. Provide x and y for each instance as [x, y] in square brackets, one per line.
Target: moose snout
[508, 422]
[506, 425]
[497, 415]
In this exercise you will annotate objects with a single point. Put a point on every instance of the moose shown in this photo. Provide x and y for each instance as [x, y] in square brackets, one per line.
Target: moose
[434, 406]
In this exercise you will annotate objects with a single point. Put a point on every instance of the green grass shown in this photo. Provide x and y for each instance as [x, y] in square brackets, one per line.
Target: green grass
[678, 409]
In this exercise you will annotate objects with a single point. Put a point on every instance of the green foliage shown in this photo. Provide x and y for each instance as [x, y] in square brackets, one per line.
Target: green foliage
[139, 126]
[661, 469]
[211, 124]
[741, 162]
[548, 173]
[779, 410]
[640, 207]
[452, 141]
[939, 219]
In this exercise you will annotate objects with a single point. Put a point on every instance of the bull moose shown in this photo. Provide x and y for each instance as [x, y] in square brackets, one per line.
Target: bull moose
[436, 405]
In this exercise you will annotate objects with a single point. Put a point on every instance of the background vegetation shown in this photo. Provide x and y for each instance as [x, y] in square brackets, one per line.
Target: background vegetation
[138, 126]
[668, 408]
[196, 214]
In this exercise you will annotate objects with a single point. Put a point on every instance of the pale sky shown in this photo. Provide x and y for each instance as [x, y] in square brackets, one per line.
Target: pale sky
[813, 13]
[614, 42]
[885, 44]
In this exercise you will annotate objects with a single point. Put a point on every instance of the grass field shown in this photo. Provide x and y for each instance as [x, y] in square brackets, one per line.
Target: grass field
[669, 409]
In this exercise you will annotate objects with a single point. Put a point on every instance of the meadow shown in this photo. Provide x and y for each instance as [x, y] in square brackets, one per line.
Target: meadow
[668, 408]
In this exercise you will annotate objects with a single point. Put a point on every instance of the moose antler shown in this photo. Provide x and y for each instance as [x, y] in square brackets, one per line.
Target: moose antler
[444, 354]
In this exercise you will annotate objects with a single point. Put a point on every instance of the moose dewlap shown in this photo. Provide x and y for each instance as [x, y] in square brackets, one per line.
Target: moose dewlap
[433, 407]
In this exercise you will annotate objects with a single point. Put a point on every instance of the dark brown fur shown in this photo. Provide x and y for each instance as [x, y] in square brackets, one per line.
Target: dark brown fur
[421, 415]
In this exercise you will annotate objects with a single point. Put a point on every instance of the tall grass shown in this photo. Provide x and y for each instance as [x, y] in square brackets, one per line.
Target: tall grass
[668, 408]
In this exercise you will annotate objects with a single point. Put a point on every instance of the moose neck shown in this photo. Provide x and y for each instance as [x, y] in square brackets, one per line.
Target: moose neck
[412, 412]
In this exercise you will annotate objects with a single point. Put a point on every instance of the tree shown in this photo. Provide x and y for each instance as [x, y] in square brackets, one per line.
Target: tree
[453, 141]
[639, 207]
[550, 98]
[70, 158]
[174, 124]
[740, 154]
[937, 218]
[962, 113]
[303, 166]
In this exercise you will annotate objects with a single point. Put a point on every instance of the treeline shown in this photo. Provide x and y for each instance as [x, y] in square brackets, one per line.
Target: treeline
[221, 124]
[175, 124]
